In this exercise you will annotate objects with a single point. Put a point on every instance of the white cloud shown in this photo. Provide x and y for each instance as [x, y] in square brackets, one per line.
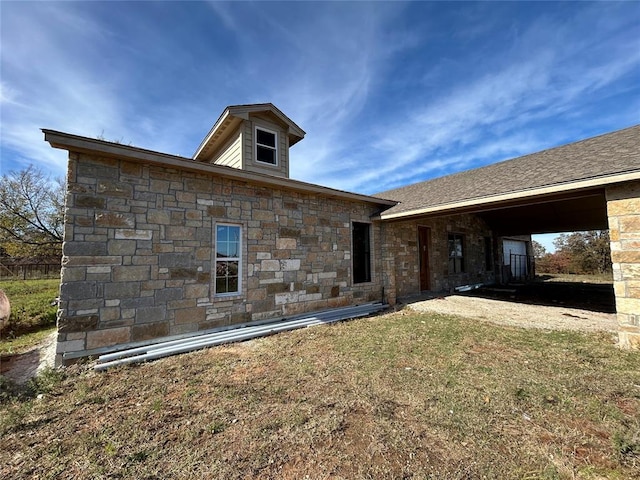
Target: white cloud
[481, 118]
[8, 94]
[223, 11]
[383, 98]
[64, 70]
[49, 88]
[331, 85]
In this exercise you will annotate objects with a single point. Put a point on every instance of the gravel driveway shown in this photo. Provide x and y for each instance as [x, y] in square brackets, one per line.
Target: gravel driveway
[518, 314]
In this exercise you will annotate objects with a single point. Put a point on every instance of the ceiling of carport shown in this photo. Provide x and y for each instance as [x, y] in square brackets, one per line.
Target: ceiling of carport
[577, 211]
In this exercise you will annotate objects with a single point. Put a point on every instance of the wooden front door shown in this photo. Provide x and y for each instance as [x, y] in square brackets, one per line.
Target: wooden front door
[424, 241]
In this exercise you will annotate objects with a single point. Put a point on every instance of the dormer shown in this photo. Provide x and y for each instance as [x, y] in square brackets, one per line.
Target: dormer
[254, 137]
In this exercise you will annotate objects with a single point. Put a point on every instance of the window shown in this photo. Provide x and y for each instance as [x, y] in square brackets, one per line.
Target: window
[456, 253]
[361, 253]
[266, 146]
[228, 265]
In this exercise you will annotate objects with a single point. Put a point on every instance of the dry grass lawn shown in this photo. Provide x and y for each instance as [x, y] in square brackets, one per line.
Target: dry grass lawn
[401, 395]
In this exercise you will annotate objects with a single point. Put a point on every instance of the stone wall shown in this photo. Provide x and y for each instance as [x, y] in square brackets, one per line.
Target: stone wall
[403, 257]
[623, 209]
[139, 247]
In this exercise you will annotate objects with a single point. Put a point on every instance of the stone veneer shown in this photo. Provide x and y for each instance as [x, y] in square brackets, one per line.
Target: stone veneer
[402, 256]
[139, 246]
[623, 209]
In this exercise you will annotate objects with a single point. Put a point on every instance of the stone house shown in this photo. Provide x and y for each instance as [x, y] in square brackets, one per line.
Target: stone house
[159, 246]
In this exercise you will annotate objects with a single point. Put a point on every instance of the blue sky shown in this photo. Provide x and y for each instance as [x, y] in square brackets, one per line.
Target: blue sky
[388, 93]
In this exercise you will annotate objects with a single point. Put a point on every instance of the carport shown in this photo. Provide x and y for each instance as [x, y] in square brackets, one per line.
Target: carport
[587, 185]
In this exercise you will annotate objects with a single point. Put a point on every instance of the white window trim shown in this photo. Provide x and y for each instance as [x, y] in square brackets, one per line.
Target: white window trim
[256, 144]
[239, 259]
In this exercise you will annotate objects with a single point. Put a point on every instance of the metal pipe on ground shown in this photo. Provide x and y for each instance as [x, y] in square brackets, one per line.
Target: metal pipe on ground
[351, 312]
[147, 348]
[159, 350]
[188, 347]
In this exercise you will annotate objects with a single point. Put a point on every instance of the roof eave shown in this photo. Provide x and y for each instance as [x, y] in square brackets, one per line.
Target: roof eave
[223, 118]
[453, 207]
[294, 132]
[76, 143]
[243, 111]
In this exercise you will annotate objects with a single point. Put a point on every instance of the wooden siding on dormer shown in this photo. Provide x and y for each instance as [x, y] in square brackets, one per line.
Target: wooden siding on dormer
[249, 160]
[231, 154]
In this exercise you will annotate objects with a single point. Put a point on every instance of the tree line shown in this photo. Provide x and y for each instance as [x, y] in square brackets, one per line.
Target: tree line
[576, 253]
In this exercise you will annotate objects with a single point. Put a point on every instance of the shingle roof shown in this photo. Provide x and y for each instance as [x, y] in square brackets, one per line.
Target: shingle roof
[606, 155]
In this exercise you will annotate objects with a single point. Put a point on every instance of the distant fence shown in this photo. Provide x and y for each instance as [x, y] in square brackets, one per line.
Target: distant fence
[29, 271]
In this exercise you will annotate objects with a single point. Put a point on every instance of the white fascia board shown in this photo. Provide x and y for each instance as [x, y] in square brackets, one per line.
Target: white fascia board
[244, 110]
[213, 130]
[548, 190]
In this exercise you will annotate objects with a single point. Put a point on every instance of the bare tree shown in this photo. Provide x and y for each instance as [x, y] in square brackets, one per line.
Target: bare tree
[31, 214]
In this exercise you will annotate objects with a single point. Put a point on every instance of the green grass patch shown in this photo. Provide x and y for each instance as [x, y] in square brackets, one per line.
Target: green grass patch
[12, 345]
[31, 308]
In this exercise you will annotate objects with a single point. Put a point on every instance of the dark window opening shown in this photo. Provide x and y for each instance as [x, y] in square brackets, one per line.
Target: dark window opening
[456, 253]
[361, 252]
[488, 254]
[266, 150]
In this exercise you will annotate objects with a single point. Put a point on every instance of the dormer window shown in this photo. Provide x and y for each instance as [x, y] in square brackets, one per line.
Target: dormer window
[266, 146]
[255, 138]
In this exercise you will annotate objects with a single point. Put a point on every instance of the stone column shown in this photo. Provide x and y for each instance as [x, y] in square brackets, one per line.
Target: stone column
[623, 209]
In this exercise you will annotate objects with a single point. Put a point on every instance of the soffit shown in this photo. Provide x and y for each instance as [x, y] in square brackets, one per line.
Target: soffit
[578, 211]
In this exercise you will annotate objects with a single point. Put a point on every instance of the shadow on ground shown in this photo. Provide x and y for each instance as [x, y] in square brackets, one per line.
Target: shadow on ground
[21, 367]
[595, 297]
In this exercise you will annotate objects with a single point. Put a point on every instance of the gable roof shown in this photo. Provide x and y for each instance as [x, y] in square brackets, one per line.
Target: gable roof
[605, 159]
[233, 115]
